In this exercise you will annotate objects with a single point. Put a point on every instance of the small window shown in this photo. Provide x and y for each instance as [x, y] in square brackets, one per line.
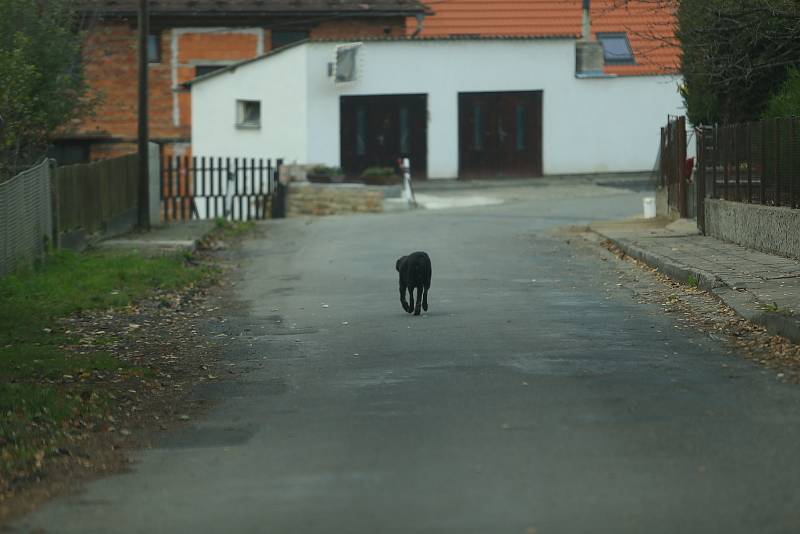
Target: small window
[521, 122]
[405, 133]
[477, 127]
[248, 114]
[154, 48]
[361, 131]
[616, 49]
[346, 69]
[202, 70]
[284, 38]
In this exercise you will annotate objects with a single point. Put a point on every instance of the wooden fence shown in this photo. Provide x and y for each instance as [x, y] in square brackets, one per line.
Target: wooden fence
[97, 198]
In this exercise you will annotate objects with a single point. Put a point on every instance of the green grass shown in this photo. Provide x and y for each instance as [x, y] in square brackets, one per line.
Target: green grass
[774, 308]
[34, 399]
[231, 229]
[692, 281]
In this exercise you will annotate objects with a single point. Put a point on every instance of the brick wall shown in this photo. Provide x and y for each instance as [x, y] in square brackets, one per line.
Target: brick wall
[111, 59]
[112, 71]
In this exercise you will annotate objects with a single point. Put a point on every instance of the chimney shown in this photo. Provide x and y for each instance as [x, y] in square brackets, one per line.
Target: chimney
[586, 33]
[588, 52]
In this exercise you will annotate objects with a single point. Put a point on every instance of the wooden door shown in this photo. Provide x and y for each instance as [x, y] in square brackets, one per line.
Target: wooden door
[376, 130]
[500, 134]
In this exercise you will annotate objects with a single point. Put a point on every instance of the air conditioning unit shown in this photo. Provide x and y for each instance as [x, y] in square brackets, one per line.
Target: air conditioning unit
[345, 66]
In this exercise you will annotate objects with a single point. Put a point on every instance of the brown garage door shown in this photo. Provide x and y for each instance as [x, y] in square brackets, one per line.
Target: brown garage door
[376, 130]
[500, 134]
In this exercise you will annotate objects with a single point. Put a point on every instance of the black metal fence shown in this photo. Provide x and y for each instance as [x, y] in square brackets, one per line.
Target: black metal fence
[208, 188]
[754, 162]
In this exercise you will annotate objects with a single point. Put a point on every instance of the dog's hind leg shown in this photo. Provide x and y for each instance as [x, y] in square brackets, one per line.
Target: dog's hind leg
[418, 304]
[410, 308]
[406, 305]
[425, 297]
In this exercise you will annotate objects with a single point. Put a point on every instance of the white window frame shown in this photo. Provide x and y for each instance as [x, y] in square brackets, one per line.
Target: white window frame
[241, 108]
[630, 59]
[356, 48]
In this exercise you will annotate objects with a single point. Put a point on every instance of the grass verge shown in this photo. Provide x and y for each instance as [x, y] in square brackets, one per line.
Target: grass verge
[44, 369]
[226, 229]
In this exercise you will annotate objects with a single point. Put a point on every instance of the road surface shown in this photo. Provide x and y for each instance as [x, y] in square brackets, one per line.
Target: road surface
[529, 399]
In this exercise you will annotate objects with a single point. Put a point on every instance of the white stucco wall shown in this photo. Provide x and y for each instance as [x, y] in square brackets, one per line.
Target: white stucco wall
[589, 125]
[280, 85]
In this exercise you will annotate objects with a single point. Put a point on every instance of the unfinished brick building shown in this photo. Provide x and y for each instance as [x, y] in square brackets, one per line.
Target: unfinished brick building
[189, 38]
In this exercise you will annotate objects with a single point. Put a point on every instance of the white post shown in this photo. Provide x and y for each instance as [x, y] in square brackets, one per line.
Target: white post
[408, 192]
[229, 188]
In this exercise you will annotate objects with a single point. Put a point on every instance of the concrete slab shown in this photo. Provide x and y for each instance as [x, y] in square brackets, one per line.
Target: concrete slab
[168, 238]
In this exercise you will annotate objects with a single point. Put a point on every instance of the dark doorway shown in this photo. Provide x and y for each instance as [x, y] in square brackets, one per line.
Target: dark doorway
[500, 134]
[377, 130]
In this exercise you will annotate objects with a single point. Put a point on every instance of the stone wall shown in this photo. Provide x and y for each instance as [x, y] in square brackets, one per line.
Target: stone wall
[322, 199]
[766, 228]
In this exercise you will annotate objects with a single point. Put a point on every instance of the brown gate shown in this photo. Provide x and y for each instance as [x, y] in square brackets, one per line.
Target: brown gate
[673, 172]
[500, 134]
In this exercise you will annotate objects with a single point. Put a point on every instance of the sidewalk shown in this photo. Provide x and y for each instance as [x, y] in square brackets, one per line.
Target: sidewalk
[173, 237]
[761, 288]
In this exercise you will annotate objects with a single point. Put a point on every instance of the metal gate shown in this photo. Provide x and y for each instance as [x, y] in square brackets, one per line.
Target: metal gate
[673, 171]
[208, 188]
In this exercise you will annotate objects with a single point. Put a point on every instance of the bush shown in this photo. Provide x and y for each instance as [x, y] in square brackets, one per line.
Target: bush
[324, 170]
[734, 55]
[786, 101]
[374, 172]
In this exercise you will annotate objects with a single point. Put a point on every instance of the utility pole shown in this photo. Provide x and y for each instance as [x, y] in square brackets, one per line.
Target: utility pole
[144, 156]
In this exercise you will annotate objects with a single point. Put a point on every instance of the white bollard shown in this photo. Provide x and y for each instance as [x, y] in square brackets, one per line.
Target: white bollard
[408, 192]
[649, 207]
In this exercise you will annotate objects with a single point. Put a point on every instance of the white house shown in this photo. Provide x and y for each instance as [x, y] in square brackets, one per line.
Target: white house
[457, 107]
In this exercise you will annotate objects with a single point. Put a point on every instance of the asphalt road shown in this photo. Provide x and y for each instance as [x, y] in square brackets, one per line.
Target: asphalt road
[529, 399]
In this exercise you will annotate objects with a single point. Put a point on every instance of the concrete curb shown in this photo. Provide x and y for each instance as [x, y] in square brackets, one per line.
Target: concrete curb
[743, 302]
[165, 239]
[672, 268]
[188, 246]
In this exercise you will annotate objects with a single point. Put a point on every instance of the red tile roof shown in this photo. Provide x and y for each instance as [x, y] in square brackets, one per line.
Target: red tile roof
[649, 24]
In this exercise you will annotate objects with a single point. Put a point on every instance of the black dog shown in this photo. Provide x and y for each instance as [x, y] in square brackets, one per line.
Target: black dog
[415, 273]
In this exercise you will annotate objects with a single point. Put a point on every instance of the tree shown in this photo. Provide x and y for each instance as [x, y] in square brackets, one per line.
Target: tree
[735, 55]
[786, 101]
[42, 87]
